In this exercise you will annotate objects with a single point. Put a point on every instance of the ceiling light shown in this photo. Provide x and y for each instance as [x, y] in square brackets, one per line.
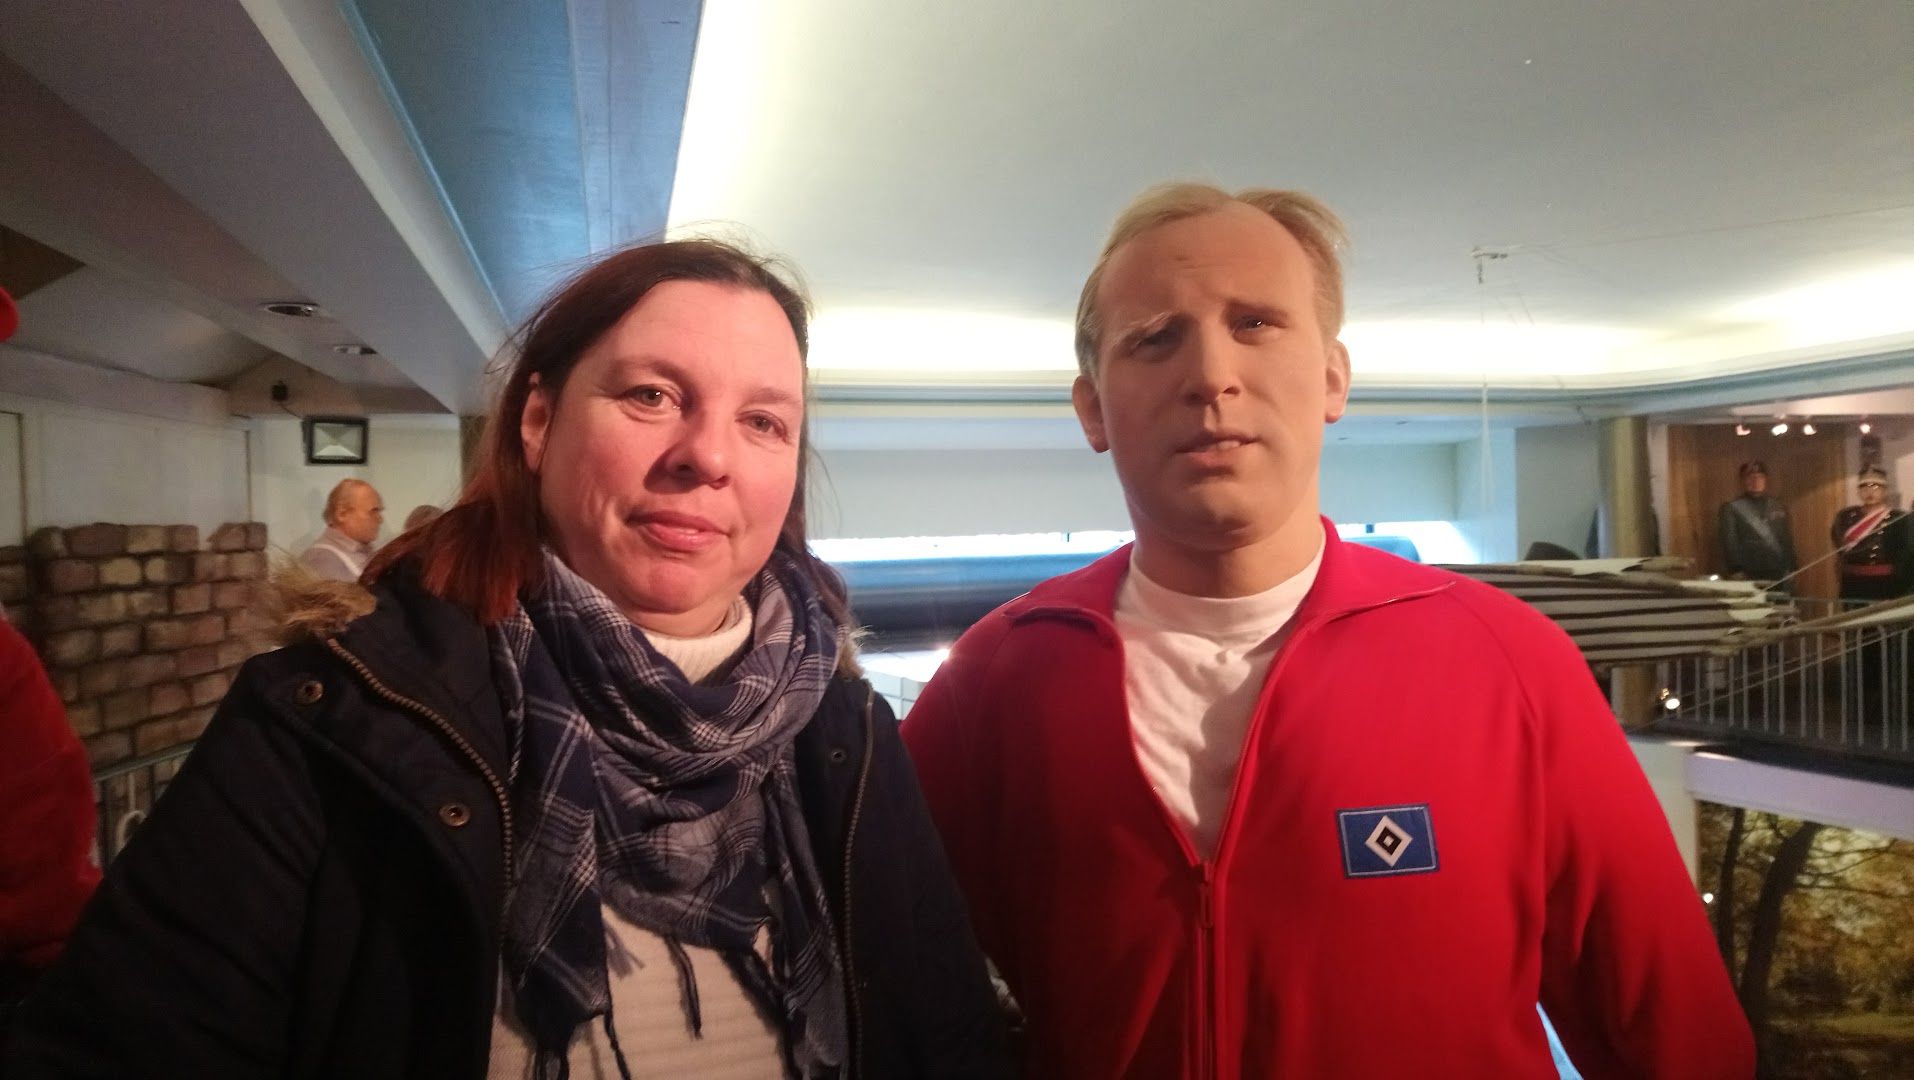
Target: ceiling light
[1743, 429]
[1671, 703]
[355, 350]
[1807, 428]
[1866, 428]
[1780, 428]
[294, 309]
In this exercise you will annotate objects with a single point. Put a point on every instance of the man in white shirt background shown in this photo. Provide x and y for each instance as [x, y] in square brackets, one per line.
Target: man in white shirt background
[354, 515]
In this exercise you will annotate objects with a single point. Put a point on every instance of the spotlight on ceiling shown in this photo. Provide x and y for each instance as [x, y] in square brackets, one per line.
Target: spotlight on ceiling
[1866, 428]
[1807, 428]
[1780, 428]
[294, 309]
[1743, 429]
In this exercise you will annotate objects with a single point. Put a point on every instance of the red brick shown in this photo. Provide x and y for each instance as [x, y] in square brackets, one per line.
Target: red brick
[193, 724]
[192, 599]
[124, 709]
[229, 595]
[15, 596]
[247, 565]
[120, 573]
[244, 623]
[155, 735]
[209, 629]
[209, 567]
[121, 640]
[84, 718]
[13, 553]
[97, 539]
[48, 543]
[101, 679]
[151, 668]
[234, 652]
[182, 539]
[69, 575]
[67, 685]
[256, 535]
[141, 603]
[208, 689]
[100, 609]
[13, 573]
[103, 750]
[145, 539]
[199, 660]
[169, 697]
[168, 569]
[72, 648]
[231, 536]
[165, 635]
[57, 613]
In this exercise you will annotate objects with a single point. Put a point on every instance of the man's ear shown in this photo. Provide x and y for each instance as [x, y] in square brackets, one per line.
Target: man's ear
[1336, 401]
[535, 423]
[1083, 395]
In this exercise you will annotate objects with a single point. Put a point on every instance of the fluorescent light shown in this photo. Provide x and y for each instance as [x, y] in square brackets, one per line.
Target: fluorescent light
[1780, 428]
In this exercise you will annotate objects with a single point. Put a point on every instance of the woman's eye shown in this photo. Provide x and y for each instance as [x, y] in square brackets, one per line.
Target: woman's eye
[651, 396]
[765, 425]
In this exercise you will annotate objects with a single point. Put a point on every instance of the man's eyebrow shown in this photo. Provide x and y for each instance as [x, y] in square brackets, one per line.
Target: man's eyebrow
[1143, 325]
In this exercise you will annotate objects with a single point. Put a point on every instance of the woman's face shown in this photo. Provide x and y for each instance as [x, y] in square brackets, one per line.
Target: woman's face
[668, 460]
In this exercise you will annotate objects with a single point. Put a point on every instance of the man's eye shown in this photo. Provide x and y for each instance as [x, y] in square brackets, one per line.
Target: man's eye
[1252, 322]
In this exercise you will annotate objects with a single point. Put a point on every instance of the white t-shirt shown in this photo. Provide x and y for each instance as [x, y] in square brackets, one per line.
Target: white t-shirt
[1194, 667]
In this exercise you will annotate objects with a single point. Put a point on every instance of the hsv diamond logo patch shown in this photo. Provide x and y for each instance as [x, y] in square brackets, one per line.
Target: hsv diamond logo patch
[1384, 840]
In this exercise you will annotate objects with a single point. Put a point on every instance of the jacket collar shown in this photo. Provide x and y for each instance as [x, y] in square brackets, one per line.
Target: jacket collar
[1352, 578]
[433, 652]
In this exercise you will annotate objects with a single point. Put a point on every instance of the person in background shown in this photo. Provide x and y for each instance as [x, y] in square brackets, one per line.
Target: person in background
[1757, 542]
[422, 514]
[46, 821]
[1873, 542]
[584, 779]
[1240, 800]
[354, 515]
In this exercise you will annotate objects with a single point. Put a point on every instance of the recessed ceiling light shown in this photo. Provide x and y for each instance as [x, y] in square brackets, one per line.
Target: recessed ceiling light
[1779, 429]
[355, 350]
[1742, 429]
[1807, 429]
[294, 309]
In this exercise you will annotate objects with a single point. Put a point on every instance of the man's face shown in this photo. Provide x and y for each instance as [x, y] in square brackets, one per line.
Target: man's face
[1215, 377]
[1755, 483]
[362, 516]
[1873, 493]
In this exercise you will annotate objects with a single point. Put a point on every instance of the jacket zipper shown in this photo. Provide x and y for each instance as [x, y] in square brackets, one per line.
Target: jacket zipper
[452, 735]
[850, 839]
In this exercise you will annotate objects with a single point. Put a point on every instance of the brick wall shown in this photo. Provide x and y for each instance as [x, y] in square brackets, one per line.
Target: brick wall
[142, 627]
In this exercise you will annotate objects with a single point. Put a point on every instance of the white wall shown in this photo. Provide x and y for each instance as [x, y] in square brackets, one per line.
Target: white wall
[1486, 496]
[1558, 484]
[78, 465]
[411, 460]
[867, 493]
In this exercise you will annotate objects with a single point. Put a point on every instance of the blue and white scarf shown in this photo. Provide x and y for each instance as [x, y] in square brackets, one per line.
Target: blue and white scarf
[674, 803]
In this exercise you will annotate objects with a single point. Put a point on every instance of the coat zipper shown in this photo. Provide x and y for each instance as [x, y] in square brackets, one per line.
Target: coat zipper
[452, 735]
[850, 839]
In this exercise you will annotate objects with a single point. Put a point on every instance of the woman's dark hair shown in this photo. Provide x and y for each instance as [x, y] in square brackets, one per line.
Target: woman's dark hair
[480, 553]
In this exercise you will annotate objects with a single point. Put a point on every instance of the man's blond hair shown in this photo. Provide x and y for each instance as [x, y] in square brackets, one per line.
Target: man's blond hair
[341, 492]
[1314, 226]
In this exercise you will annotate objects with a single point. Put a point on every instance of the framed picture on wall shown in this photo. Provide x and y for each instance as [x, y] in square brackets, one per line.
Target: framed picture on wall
[336, 440]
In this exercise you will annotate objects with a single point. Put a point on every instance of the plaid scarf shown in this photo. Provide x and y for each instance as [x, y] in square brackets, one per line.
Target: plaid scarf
[674, 803]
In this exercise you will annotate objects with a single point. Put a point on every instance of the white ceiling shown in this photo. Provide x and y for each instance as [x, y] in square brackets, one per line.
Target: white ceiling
[1680, 190]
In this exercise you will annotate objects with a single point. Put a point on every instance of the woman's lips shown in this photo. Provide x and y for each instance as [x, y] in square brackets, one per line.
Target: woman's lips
[678, 532]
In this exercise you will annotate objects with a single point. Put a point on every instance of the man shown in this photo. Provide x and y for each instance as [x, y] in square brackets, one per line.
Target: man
[1240, 800]
[1873, 542]
[1756, 542]
[354, 514]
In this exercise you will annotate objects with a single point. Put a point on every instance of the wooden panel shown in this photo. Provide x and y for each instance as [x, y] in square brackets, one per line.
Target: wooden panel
[1807, 472]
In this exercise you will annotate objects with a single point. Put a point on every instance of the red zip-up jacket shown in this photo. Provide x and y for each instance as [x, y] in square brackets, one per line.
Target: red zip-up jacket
[46, 815]
[1436, 824]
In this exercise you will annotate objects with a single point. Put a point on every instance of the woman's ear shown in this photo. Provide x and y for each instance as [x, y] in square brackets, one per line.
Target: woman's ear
[535, 422]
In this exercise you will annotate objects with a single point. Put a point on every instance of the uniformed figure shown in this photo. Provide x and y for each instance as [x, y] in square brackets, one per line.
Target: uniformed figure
[1873, 541]
[1755, 539]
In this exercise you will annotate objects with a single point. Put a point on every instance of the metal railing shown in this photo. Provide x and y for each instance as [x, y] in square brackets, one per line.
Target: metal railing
[124, 793]
[1820, 684]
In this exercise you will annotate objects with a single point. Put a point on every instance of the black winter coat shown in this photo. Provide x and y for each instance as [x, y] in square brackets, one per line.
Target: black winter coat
[318, 894]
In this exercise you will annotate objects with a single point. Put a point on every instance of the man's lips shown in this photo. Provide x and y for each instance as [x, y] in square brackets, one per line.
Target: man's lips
[1218, 441]
[678, 531]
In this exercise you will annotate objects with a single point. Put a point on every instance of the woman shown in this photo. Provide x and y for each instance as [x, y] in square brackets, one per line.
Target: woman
[586, 784]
